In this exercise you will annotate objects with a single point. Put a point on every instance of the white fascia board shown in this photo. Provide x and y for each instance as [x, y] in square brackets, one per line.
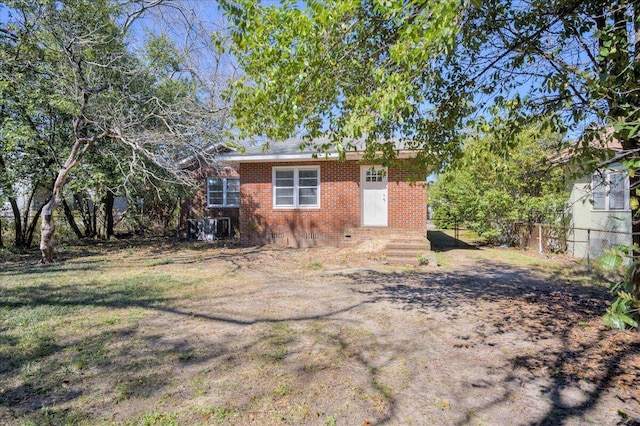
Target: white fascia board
[262, 158]
[406, 153]
[277, 157]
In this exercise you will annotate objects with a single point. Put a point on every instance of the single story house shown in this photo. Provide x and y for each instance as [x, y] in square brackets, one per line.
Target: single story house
[292, 195]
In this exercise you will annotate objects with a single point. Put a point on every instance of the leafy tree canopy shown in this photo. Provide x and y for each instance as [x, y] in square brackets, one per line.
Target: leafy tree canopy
[73, 84]
[434, 72]
[491, 190]
[429, 71]
[350, 69]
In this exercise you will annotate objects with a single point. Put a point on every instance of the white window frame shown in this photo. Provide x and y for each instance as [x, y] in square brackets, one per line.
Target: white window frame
[225, 190]
[601, 181]
[374, 175]
[296, 187]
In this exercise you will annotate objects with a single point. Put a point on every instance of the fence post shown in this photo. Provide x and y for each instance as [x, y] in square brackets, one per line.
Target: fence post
[540, 238]
[456, 232]
[588, 249]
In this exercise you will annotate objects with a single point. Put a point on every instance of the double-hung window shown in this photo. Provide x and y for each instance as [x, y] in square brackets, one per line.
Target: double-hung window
[296, 187]
[609, 190]
[223, 192]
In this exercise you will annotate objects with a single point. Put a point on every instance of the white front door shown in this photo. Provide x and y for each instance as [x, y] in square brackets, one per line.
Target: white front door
[373, 181]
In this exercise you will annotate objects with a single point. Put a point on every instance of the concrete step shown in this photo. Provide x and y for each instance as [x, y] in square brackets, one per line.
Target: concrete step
[354, 236]
[383, 231]
[409, 261]
[404, 253]
[414, 259]
[408, 245]
[416, 245]
[407, 250]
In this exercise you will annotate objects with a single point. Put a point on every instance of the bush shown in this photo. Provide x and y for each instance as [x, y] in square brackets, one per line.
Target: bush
[491, 190]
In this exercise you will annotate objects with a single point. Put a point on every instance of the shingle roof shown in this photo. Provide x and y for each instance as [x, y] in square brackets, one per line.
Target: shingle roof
[302, 148]
[289, 146]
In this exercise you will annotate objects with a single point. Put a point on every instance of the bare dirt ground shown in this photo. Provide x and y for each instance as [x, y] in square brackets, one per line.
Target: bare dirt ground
[325, 337]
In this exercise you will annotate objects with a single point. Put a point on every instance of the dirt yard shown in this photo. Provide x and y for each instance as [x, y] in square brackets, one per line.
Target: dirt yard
[166, 334]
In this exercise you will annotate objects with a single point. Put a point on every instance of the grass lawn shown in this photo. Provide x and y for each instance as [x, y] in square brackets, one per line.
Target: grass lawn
[156, 332]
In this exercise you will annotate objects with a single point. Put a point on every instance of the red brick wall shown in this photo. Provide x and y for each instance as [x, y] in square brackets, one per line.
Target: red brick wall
[407, 201]
[339, 208]
[195, 207]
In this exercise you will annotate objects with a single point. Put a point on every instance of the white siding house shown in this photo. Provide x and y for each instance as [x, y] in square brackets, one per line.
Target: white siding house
[600, 212]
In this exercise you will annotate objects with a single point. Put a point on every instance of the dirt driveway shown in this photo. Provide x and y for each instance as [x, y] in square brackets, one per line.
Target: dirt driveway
[325, 337]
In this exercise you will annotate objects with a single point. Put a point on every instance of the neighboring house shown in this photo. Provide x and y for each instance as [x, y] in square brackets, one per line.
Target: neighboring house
[300, 198]
[25, 198]
[600, 212]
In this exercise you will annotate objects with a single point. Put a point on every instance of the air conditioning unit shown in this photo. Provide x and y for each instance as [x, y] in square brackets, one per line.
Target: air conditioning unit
[208, 229]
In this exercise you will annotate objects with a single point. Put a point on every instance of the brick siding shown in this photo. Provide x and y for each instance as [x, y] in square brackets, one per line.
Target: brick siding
[195, 207]
[339, 208]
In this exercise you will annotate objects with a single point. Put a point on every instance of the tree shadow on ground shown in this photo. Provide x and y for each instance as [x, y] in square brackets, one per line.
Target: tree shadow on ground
[441, 241]
[68, 251]
[169, 251]
[42, 377]
[529, 305]
[137, 364]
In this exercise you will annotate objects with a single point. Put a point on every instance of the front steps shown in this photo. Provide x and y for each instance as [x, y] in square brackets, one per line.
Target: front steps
[402, 246]
[409, 251]
[353, 237]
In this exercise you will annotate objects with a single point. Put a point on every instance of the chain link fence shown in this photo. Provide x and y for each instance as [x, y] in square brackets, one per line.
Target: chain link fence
[582, 243]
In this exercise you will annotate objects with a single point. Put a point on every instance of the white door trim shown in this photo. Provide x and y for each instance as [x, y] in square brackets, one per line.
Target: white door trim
[374, 195]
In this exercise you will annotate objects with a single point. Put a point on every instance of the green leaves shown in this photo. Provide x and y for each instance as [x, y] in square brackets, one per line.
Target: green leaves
[612, 260]
[495, 185]
[619, 321]
[344, 69]
[623, 312]
[75, 87]
[161, 53]
[433, 72]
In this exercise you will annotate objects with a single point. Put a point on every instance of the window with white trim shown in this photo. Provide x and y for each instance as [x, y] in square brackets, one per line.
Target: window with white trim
[223, 192]
[609, 190]
[296, 187]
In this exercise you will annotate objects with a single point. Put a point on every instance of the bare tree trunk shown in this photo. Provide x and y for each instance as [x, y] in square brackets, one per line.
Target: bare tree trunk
[17, 223]
[24, 229]
[47, 225]
[47, 230]
[169, 218]
[92, 211]
[107, 206]
[70, 219]
[31, 229]
[85, 213]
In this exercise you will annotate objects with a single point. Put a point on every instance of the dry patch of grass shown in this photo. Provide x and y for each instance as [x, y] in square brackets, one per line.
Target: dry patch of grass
[163, 333]
[559, 267]
[147, 335]
[71, 338]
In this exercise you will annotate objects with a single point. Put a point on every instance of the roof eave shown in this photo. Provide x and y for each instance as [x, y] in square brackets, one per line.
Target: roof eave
[264, 158]
[212, 149]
